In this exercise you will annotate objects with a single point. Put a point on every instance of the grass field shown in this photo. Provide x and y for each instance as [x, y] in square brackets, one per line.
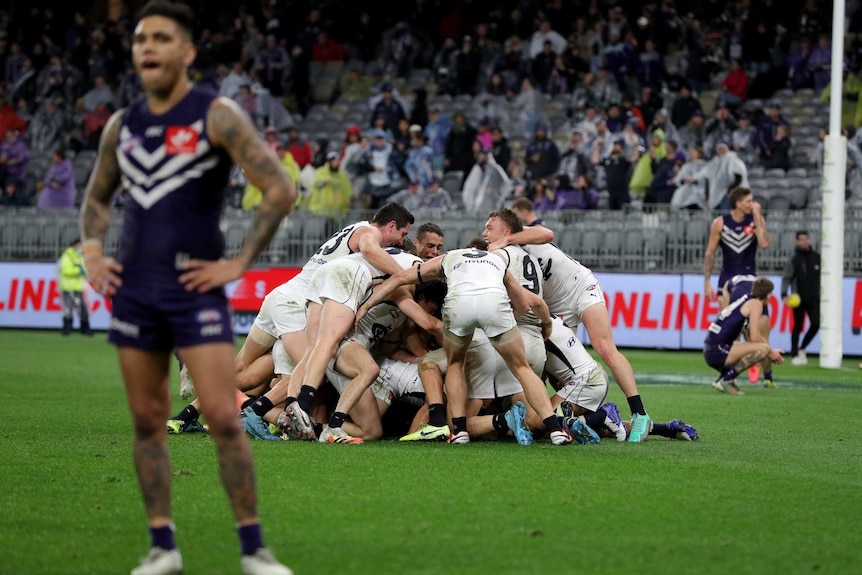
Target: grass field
[773, 486]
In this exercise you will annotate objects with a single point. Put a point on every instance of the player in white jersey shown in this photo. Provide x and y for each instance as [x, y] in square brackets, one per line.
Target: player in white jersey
[284, 315]
[356, 375]
[354, 359]
[334, 293]
[574, 294]
[478, 296]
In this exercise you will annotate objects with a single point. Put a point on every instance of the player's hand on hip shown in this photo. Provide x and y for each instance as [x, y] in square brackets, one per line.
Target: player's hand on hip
[104, 274]
[205, 275]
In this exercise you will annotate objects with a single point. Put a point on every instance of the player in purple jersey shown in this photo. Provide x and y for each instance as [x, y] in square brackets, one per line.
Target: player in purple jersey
[739, 234]
[172, 153]
[722, 349]
[733, 289]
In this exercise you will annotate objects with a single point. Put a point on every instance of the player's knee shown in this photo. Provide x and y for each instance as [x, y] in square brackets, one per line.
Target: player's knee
[426, 365]
[148, 423]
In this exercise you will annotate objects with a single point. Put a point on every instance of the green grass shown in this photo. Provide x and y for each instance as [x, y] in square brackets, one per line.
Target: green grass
[773, 486]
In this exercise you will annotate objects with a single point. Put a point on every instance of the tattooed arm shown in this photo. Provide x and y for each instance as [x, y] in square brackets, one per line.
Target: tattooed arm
[230, 128]
[709, 256]
[103, 273]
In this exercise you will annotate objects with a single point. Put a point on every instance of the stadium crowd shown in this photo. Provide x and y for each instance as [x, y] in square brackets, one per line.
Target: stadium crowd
[654, 97]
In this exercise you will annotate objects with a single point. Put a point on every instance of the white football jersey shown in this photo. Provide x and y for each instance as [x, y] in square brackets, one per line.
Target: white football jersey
[471, 272]
[335, 247]
[567, 356]
[527, 272]
[402, 258]
[560, 275]
[380, 321]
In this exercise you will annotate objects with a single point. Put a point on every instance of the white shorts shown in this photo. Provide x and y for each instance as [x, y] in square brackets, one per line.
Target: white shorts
[491, 313]
[378, 387]
[588, 292]
[282, 311]
[589, 390]
[284, 364]
[402, 380]
[488, 376]
[344, 280]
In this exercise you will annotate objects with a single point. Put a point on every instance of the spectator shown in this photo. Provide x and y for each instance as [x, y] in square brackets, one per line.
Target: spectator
[271, 63]
[14, 156]
[529, 103]
[575, 64]
[354, 86]
[419, 166]
[58, 188]
[94, 122]
[542, 156]
[467, 67]
[642, 174]
[437, 197]
[47, 130]
[768, 127]
[483, 133]
[130, 88]
[544, 197]
[588, 125]
[734, 86]
[400, 49]
[232, 83]
[487, 186]
[543, 65]
[662, 122]
[744, 140]
[651, 69]
[402, 135]
[444, 66]
[575, 162]
[14, 195]
[9, 120]
[459, 146]
[778, 153]
[519, 184]
[614, 119]
[799, 75]
[76, 122]
[252, 195]
[545, 34]
[298, 147]
[25, 86]
[351, 151]
[500, 146]
[602, 143]
[605, 89]
[437, 131]
[247, 101]
[389, 108]
[694, 133]
[690, 194]
[379, 183]
[582, 197]
[662, 187]
[494, 109]
[632, 114]
[100, 93]
[721, 174]
[820, 63]
[327, 49]
[330, 192]
[684, 107]
[650, 103]
[410, 197]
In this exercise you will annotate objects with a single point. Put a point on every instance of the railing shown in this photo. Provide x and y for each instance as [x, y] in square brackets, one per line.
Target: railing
[634, 240]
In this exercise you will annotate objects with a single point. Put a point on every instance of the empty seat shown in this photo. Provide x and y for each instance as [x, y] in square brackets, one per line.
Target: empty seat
[453, 180]
[778, 202]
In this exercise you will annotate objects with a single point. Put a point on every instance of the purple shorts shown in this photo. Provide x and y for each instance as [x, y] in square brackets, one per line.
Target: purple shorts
[164, 318]
[716, 355]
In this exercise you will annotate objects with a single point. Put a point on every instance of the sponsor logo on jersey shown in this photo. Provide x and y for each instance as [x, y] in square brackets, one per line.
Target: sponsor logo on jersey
[180, 140]
[591, 287]
[209, 316]
[154, 131]
[125, 328]
[211, 330]
[129, 143]
[748, 230]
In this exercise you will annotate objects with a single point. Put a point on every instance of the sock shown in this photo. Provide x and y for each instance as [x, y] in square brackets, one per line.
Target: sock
[596, 420]
[337, 419]
[767, 375]
[498, 420]
[636, 405]
[552, 423]
[163, 537]
[250, 538]
[261, 406]
[189, 413]
[318, 429]
[437, 414]
[729, 374]
[662, 430]
[306, 396]
[249, 401]
[459, 424]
